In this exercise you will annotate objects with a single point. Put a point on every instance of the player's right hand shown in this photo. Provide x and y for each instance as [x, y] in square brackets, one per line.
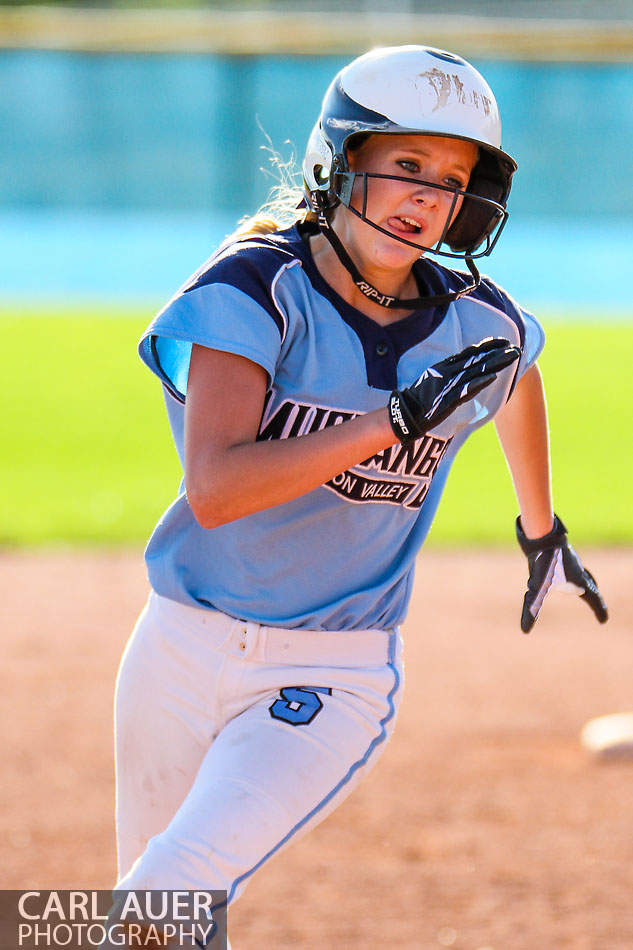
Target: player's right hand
[446, 385]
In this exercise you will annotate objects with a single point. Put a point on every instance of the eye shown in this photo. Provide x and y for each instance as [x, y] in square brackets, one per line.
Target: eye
[456, 183]
[408, 165]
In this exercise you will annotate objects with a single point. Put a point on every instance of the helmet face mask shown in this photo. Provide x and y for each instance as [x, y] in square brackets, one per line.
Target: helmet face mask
[480, 218]
[413, 90]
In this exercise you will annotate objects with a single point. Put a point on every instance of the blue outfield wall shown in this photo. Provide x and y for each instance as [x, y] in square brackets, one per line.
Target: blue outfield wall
[118, 173]
[129, 259]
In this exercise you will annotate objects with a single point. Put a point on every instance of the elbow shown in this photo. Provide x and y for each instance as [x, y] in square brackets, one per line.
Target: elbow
[208, 506]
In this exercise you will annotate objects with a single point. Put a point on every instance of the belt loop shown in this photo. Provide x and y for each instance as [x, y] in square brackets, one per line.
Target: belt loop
[247, 635]
[242, 636]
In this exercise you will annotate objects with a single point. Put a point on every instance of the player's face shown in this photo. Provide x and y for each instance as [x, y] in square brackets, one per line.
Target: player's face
[407, 209]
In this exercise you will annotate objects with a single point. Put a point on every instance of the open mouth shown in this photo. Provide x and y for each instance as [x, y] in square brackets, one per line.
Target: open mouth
[405, 225]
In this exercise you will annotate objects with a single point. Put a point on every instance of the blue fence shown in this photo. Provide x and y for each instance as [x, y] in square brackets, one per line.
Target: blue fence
[118, 173]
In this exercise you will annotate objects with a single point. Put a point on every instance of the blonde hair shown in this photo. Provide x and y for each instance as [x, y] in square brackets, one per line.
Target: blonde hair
[282, 208]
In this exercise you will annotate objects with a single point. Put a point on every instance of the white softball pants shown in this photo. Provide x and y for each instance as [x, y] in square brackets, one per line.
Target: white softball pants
[232, 739]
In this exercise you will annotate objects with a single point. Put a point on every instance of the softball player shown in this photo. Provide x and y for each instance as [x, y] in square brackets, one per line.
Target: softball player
[319, 380]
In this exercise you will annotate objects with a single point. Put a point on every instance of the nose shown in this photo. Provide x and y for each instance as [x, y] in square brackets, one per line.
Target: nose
[427, 194]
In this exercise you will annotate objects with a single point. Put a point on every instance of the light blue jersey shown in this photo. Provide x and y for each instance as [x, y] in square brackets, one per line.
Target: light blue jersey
[341, 557]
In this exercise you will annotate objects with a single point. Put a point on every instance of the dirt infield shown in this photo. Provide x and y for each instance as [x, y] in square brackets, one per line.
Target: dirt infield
[485, 825]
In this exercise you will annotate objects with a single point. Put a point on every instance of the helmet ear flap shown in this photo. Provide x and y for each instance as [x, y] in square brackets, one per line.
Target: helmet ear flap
[318, 167]
[478, 219]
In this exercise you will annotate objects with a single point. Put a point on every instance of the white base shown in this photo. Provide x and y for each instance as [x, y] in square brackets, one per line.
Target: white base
[609, 736]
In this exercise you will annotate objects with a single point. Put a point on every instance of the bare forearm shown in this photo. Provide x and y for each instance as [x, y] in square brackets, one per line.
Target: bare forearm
[523, 432]
[252, 476]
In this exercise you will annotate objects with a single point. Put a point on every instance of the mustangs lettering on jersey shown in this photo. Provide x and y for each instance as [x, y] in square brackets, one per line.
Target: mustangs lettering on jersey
[400, 475]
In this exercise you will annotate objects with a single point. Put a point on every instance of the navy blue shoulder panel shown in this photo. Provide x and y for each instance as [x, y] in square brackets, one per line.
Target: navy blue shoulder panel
[250, 265]
[493, 295]
[487, 291]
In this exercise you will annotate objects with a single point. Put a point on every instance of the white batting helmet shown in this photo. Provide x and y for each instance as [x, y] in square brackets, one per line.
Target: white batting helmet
[421, 91]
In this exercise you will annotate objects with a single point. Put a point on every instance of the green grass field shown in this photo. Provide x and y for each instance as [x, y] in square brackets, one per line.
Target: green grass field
[88, 458]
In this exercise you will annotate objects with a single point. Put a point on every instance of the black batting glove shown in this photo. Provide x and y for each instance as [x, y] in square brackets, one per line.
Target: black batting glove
[553, 563]
[446, 385]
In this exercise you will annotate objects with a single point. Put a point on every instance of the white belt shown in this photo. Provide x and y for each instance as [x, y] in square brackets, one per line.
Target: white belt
[297, 647]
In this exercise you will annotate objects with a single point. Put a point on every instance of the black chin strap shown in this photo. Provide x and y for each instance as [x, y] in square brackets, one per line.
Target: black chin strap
[393, 303]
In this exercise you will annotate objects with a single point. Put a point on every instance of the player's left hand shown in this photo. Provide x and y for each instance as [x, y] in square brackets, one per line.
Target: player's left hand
[553, 563]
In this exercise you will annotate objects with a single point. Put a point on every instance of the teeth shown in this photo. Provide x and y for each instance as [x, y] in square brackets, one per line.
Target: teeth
[411, 221]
